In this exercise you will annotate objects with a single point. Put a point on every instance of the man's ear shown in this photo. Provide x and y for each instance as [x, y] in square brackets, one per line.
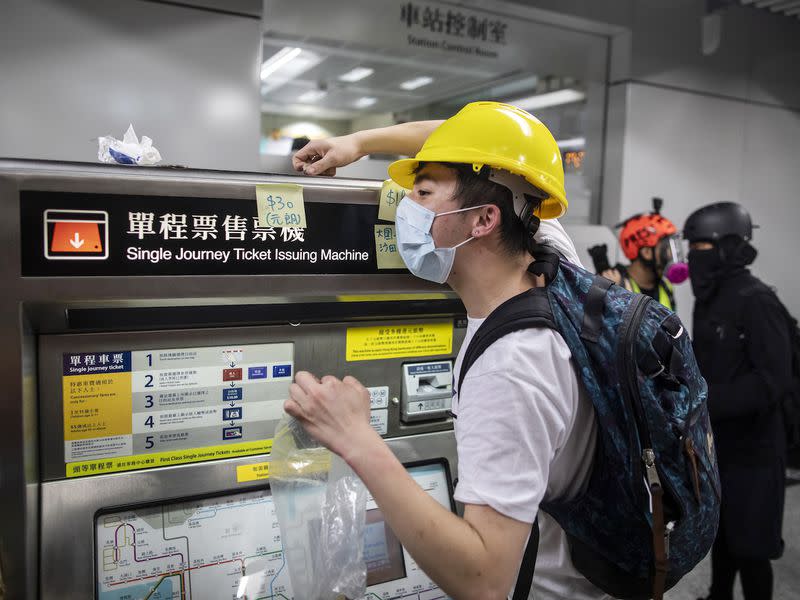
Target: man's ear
[646, 253]
[486, 221]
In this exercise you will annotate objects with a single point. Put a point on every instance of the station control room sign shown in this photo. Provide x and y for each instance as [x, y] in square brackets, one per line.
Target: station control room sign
[76, 234]
[416, 29]
[127, 410]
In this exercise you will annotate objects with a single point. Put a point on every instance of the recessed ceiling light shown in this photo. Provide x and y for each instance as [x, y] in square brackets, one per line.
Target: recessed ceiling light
[365, 102]
[312, 96]
[279, 59]
[356, 74]
[565, 96]
[415, 83]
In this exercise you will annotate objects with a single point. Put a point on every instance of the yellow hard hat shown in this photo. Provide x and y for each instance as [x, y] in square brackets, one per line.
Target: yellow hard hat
[501, 136]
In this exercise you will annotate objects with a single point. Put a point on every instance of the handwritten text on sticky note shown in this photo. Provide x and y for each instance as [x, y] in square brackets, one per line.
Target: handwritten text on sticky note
[386, 248]
[280, 205]
[391, 194]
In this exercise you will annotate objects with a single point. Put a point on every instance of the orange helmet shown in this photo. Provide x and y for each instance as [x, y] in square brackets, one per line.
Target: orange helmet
[644, 231]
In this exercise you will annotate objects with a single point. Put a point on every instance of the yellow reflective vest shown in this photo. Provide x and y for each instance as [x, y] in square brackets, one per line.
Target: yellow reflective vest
[665, 292]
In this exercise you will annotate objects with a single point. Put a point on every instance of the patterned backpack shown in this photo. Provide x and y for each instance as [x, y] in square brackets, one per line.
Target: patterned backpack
[650, 511]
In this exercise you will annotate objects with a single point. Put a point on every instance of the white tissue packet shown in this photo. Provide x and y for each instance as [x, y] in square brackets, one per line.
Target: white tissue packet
[129, 151]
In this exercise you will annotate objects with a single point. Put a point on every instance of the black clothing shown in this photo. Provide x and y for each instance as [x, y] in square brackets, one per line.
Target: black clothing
[708, 268]
[755, 573]
[705, 267]
[652, 292]
[742, 345]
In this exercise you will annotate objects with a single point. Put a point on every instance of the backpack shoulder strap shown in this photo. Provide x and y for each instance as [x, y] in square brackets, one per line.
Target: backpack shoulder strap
[522, 588]
[524, 311]
[593, 308]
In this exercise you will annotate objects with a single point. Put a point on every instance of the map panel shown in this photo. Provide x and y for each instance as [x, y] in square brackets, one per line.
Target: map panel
[229, 547]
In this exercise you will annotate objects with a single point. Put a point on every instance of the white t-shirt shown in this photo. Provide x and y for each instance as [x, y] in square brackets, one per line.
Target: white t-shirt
[525, 432]
[551, 232]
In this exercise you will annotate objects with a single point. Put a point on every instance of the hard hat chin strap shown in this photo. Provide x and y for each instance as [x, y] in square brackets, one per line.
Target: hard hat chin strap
[525, 196]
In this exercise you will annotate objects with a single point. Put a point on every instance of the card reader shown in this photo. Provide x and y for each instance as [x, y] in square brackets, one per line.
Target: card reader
[427, 390]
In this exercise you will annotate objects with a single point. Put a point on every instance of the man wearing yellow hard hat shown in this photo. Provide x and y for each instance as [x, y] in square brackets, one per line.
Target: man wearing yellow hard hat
[483, 184]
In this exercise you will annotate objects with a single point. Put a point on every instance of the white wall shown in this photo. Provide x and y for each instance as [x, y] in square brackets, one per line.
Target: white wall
[693, 149]
[694, 128]
[697, 129]
[771, 192]
[74, 70]
[756, 59]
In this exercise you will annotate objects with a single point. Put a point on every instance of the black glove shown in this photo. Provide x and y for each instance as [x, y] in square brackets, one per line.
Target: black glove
[599, 256]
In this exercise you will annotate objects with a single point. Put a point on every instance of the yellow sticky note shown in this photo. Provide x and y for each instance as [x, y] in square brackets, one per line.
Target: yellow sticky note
[399, 341]
[386, 252]
[280, 205]
[254, 472]
[391, 194]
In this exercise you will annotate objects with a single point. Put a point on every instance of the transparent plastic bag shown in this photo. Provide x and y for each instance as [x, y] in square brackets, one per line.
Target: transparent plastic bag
[320, 504]
[128, 151]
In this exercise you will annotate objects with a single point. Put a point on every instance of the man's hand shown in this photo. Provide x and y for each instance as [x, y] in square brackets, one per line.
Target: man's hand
[321, 157]
[472, 558]
[335, 412]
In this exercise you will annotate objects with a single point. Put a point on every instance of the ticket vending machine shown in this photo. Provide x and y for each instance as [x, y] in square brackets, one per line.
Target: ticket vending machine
[151, 327]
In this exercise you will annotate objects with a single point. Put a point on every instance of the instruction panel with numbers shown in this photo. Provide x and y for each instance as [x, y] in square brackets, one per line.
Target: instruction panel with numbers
[126, 410]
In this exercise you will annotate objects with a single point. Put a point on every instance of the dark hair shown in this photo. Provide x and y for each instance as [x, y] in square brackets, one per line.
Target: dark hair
[475, 188]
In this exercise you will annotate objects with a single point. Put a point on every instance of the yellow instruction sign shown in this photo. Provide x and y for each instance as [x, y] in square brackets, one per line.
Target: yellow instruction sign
[391, 194]
[386, 253]
[399, 341]
[254, 472]
[97, 406]
[165, 459]
[280, 205]
[139, 409]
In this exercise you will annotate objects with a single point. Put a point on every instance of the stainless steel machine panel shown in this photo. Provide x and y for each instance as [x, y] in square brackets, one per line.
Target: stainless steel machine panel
[69, 507]
[108, 292]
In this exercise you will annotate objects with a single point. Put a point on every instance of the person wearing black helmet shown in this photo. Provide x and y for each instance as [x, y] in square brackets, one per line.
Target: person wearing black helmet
[742, 345]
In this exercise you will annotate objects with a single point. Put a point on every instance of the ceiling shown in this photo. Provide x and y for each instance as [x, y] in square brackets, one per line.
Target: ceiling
[790, 8]
[451, 76]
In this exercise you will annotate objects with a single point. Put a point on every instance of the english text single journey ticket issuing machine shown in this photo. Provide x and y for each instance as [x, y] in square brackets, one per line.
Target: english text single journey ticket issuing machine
[152, 324]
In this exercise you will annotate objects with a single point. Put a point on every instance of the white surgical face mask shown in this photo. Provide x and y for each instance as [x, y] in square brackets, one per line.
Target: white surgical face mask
[415, 242]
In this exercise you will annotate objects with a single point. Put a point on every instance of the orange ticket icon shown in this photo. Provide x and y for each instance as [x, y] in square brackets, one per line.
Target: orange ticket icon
[76, 237]
[74, 234]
